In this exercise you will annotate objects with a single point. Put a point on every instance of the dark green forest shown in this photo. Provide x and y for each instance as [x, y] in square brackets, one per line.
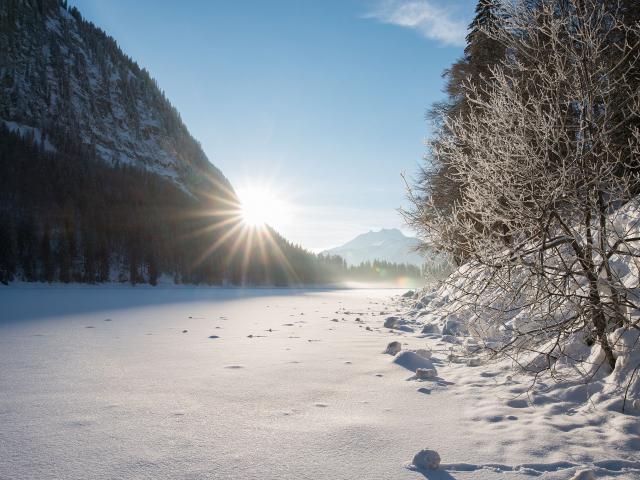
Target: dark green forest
[69, 217]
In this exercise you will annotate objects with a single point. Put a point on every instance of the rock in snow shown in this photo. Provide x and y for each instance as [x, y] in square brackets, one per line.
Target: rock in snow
[430, 328]
[423, 352]
[426, 460]
[391, 322]
[426, 373]
[453, 327]
[393, 348]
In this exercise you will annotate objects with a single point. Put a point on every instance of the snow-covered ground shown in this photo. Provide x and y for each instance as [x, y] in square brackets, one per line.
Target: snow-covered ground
[173, 383]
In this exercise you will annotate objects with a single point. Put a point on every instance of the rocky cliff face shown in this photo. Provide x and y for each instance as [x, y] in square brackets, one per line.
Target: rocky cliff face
[62, 79]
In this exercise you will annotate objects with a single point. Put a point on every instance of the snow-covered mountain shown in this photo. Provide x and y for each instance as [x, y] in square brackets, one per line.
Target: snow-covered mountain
[386, 244]
[62, 78]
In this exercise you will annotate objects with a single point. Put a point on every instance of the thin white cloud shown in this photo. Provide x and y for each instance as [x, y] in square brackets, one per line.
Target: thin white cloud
[429, 19]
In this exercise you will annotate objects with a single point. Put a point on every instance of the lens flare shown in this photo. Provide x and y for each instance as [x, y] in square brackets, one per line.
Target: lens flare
[262, 206]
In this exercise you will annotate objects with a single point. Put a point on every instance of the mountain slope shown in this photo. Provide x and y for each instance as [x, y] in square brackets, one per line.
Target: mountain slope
[99, 178]
[390, 245]
[62, 77]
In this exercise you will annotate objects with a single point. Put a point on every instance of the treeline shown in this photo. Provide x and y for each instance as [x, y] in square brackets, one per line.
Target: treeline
[67, 216]
[101, 181]
[376, 271]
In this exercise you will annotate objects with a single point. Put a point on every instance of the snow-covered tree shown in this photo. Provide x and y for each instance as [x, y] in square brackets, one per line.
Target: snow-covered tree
[547, 158]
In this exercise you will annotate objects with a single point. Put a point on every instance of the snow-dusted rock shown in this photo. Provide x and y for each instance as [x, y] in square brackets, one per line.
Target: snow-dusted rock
[426, 460]
[404, 328]
[453, 327]
[408, 294]
[423, 352]
[474, 362]
[426, 299]
[430, 328]
[391, 322]
[426, 373]
[393, 348]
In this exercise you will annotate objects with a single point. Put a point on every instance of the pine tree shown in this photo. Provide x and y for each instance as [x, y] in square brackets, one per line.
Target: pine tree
[438, 178]
[152, 269]
[27, 247]
[7, 250]
[48, 270]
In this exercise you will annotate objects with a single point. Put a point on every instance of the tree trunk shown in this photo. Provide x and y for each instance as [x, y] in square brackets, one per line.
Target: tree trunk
[599, 320]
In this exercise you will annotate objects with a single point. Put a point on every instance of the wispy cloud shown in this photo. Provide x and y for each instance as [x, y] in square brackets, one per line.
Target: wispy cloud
[431, 20]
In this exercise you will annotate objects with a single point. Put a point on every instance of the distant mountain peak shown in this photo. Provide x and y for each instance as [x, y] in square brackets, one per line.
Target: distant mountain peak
[388, 244]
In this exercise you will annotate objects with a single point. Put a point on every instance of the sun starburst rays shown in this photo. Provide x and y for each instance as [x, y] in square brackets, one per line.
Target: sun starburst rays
[239, 227]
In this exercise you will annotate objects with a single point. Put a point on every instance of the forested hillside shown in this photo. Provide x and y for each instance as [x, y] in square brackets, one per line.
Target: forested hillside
[100, 179]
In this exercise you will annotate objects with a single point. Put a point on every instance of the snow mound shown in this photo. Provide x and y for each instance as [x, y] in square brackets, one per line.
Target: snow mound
[412, 361]
[584, 475]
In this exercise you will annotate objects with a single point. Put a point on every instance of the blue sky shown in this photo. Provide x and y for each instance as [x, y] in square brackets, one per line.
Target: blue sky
[324, 101]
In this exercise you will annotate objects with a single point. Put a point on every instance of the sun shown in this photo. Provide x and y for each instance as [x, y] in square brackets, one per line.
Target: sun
[261, 205]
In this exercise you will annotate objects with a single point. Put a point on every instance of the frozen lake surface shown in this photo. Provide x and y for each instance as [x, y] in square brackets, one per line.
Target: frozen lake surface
[195, 383]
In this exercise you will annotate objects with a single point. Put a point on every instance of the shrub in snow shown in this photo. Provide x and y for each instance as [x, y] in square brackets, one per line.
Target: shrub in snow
[552, 244]
[426, 460]
[426, 373]
[393, 348]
